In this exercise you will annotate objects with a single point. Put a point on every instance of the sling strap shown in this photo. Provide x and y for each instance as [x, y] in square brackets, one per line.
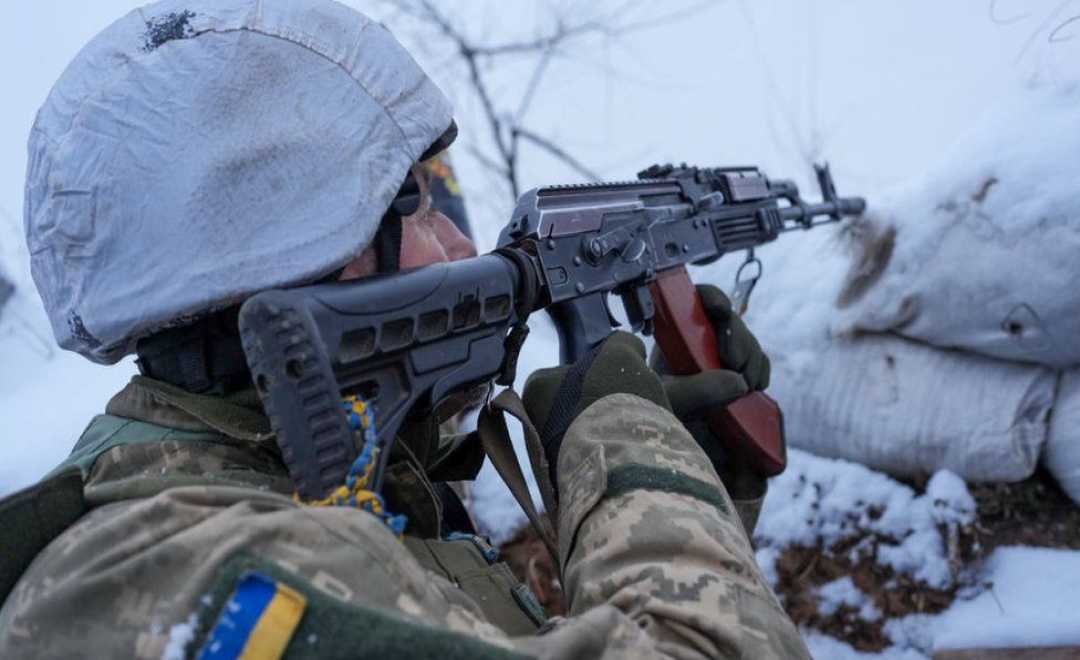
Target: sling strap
[495, 439]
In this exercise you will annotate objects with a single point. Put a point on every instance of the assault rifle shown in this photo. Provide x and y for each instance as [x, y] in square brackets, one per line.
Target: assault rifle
[406, 341]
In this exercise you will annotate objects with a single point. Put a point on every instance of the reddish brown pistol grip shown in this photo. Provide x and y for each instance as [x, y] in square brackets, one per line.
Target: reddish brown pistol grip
[752, 426]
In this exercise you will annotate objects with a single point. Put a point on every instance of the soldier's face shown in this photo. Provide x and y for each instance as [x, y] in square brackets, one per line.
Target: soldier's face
[427, 237]
[430, 238]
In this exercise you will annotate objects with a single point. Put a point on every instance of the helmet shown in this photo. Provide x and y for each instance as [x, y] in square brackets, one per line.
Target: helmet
[196, 152]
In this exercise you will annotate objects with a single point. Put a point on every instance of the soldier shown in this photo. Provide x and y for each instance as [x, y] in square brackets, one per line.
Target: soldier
[197, 152]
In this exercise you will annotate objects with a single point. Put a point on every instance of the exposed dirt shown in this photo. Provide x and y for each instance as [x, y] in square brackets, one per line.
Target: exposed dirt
[1032, 512]
[530, 562]
[801, 571]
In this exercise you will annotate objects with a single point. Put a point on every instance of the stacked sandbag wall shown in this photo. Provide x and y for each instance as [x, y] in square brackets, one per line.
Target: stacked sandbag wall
[941, 330]
[910, 409]
[1062, 453]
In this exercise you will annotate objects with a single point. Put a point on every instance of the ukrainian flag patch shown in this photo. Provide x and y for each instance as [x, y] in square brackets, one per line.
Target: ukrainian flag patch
[257, 621]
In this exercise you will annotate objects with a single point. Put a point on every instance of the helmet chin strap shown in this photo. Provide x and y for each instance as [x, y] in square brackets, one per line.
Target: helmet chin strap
[412, 197]
[203, 357]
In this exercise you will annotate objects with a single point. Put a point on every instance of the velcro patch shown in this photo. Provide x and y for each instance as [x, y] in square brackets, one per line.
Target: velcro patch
[635, 476]
[257, 621]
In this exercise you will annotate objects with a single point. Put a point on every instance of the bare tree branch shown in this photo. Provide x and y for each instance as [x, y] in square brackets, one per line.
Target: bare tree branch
[664, 19]
[495, 122]
[505, 120]
[1055, 33]
[534, 84]
[487, 162]
[1046, 26]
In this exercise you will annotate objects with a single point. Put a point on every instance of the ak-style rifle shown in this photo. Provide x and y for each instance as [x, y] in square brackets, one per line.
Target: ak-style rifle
[406, 341]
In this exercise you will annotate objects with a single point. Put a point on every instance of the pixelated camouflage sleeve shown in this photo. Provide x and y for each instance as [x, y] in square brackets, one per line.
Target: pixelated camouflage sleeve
[646, 529]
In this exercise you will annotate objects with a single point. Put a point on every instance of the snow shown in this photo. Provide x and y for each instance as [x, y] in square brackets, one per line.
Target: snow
[1062, 455]
[1034, 600]
[47, 396]
[180, 636]
[766, 559]
[984, 237]
[950, 498]
[1019, 596]
[843, 592]
[46, 402]
[824, 501]
[824, 647]
[986, 229]
[970, 290]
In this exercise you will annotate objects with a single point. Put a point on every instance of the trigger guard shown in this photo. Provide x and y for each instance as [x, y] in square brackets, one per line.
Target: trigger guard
[615, 323]
[640, 309]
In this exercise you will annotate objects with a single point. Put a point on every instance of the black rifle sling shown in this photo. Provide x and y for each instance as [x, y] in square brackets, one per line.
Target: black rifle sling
[495, 438]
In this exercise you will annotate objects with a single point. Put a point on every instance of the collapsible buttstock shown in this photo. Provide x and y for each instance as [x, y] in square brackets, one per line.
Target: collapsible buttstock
[752, 426]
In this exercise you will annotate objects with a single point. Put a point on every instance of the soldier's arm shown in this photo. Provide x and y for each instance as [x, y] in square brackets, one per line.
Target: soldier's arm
[652, 552]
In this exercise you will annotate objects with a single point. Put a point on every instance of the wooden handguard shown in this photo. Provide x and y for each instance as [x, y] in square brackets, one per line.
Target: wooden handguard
[752, 427]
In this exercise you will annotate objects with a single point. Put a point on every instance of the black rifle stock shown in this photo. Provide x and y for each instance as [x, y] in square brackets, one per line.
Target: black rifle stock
[406, 341]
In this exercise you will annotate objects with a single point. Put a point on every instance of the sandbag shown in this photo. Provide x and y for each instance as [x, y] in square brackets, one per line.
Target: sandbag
[981, 251]
[897, 405]
[925, 335]
[1062, 454]
[909, 409]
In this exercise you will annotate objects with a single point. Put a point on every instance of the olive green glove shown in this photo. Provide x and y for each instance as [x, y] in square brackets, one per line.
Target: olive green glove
[748, 369]
[738, 347]
[694, 397]
[554, 397]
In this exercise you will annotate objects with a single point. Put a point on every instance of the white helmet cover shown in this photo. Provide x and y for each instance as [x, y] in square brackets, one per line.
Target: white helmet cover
[199, 151]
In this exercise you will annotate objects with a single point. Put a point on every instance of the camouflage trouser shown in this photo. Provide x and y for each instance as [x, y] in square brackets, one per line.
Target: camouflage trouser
[654, 562]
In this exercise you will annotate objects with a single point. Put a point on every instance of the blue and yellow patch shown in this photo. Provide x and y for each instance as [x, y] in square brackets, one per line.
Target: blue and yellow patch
[257, 621]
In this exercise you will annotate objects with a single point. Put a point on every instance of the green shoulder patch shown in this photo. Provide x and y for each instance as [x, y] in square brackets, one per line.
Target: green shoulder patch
[635, 476]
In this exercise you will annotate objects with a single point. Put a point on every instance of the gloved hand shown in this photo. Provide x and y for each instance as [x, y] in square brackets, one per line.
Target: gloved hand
[694, 397]
[554, 397]
[738, 347]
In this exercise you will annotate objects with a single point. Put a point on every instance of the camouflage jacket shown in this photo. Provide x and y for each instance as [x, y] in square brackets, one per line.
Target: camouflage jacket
[187, 533]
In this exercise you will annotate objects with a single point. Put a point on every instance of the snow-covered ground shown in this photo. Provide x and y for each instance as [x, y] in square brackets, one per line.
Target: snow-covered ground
[1035, 599]
[1018, 596]
[820, 502]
